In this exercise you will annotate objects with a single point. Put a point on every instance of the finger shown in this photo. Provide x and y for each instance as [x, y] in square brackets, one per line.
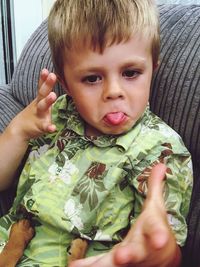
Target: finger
[105, 260]
[86, 262]
[44, 104]
[129, 254]
[47, 86]
[158, 237]
[48, 127]
[155, 181]
[156, 230]
[43, 75]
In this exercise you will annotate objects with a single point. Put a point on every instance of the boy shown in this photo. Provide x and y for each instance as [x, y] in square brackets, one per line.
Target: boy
[89, 178]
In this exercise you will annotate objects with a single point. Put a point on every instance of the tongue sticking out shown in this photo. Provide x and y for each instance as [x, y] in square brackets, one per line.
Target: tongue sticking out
[115, 118]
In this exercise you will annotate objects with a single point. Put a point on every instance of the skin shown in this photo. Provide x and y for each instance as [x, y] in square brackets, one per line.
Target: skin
[32, 122]
[116, 81]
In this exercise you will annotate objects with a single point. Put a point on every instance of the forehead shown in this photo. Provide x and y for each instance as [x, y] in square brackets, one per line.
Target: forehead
[137, 46]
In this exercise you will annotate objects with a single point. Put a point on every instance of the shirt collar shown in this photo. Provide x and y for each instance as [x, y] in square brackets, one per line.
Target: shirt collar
[66, 117]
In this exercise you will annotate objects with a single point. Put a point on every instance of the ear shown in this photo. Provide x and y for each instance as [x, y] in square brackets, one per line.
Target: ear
[63, 84]
[156, 65]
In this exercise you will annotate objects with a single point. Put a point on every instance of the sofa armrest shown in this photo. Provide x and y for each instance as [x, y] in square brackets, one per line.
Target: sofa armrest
[9, 106]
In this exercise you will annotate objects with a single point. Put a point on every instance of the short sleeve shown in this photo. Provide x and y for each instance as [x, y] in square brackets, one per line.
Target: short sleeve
[177, 193]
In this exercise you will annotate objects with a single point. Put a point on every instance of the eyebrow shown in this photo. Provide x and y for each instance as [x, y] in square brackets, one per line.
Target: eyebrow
[135, 63]
[139, 63]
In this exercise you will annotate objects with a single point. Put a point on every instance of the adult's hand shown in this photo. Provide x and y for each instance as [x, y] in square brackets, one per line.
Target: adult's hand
[150, 241]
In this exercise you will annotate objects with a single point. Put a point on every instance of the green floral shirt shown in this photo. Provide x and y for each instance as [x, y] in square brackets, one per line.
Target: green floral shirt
[73, 185]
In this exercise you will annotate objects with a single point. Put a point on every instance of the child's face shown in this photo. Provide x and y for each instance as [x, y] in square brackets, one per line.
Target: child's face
[110, 90]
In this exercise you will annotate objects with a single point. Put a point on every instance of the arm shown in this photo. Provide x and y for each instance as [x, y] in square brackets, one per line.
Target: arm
[150, 241]
[32, 122]
[151, 237]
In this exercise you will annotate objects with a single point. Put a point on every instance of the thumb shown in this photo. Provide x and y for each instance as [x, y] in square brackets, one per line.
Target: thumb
[155, 182]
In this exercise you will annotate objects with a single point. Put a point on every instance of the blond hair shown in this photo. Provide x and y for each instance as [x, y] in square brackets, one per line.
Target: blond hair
[100, 23]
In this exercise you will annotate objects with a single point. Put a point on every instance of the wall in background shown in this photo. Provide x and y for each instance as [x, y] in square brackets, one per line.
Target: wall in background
[2, 69]
[46, 6]
[28, 15]
[7, 41]
[185, 2]
[18, 20]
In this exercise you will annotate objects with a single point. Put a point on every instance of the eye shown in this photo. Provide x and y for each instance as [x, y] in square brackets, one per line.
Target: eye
[130, 73]
[92, 79]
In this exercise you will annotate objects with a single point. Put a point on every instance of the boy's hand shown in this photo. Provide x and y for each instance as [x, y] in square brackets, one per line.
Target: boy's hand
[35, 119]
[150, 242]
[31, 122]
[45, 99]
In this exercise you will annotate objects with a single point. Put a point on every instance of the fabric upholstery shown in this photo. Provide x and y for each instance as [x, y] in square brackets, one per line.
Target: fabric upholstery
[175, 94]
[36, 55]
[176, 98]
[8, 106]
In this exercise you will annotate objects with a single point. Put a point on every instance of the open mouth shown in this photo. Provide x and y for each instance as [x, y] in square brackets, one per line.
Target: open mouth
[115, 118]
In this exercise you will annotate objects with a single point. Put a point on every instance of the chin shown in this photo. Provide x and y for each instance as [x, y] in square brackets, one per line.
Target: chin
[116, 131]
[105, 130]
[120, 129]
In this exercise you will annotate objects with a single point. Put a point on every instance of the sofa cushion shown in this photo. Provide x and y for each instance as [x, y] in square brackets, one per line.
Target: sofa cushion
[175, 98]
[176, 85]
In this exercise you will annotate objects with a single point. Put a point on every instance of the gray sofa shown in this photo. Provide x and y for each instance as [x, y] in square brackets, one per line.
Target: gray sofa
[175, 96]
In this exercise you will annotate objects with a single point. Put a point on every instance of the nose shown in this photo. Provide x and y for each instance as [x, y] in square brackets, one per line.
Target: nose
[112, 90]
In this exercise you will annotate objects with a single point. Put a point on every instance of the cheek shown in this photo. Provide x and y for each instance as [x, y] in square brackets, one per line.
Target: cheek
[140, 93]
[85, 99]
[84, 106]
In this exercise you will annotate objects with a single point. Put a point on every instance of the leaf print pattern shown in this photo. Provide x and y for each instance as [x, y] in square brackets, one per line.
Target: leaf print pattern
[26, 189]
[7, 220]
[73, 212]
[38, 152]
[105, 198]
[102, 236]
[96, 170]
[70, 143]
[166, 152]
[90, 185]
[143, 177]
[26, 262]
[152, 122]
[62, 169]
